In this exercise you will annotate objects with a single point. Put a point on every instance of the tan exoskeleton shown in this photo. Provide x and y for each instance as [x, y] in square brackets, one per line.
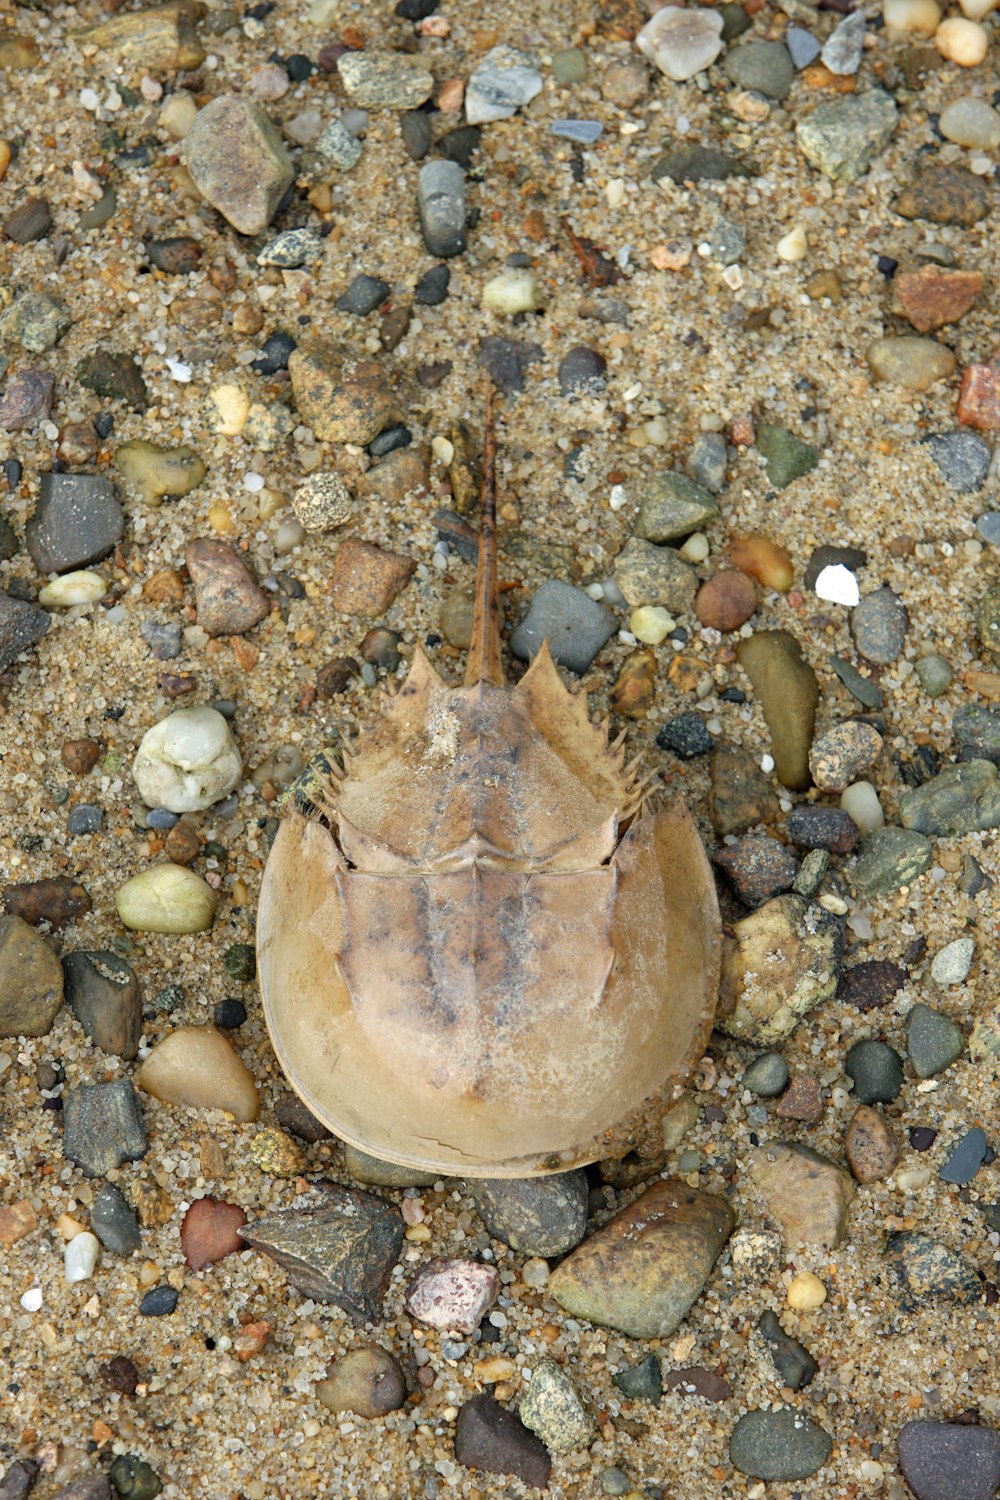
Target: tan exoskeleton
[491, 955]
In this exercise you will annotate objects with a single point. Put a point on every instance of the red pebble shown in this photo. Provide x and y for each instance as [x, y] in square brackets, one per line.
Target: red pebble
[726, 601]
[211, 1230]
[979, 396]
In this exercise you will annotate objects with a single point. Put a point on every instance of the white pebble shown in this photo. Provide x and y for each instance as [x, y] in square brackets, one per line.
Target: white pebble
[860, 802]
[31, 1300]
[913, 17]
[963, 42]
[443, 449]
[695, 549]
[90, 100]
[681, 42]
[839, 585]
[951, 965]
[913, 1179]
[794, 245]
[232, 405]
[515, 290]
[289, 535]
[81, 587]
[253, 481]
[977, 9]
[651, 624]
[80, 1257]
[179, 370]
[767, 763]
[971, 122]
[187, 761]
[615, 192]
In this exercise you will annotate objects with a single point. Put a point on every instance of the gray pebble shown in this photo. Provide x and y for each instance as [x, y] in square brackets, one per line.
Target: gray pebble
[845, 44]
[951, 963]
[363, 295]
[585, 132]
[965, 1158]
[85, 818]
[775, 1445]
[707, 461]
[507, 361]
[441, 205]
[104, 995]
[113, 1220]
[889, 858]
[792, 1360]
[766, 1076]
[415, 128]
[960, 799]
[877, 1071]
[102, 1126]
[935, 675]
[988, 527]
[164, 640]
[766, 67]
[575, 626]
[726, 241]
[977, 733]
[21, 624]
[933, 1041]
[962, 457]
[879, 625]
[161, 818]
[77, 521]
[803, 48]
[338, 146]
[543, 1216]
[582, 369]
[432, 288]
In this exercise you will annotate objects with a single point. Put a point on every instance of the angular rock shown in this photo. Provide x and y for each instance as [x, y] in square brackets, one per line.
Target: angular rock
[452, 1294]
[27, 400]
[843, 137]
[787, 457]
[21, 625]
[780, 963]
[672, 506]
[963, 459]
[930, 1271]
[36, 321]
[786, 687]
[102, 1126]
[765, 67]
[113, 1220]
[574, 625]
[642, 1381]
[876, 1070]
[647, 574]
[508, 361]
[544, 1216]
[792, 1360]
[758, 866]
[552, 1409]
[977, 733]
[385, 80]
[490, 1438]
[960, 799]
[808, 1194]
[642, 1271]
[228, 598]
[965, 1158]
[889, 858]
[782, 1444]
[103, 993]
[944, 193]
[365, 579]
[931, 296]
[503, 82]
[343, 399]
[740, 794]
[31, 980]
[238, 162]
[114, 376]
[941, 1460]
[341, 1251]
[162, 38]
[77, 521]
[816, 827]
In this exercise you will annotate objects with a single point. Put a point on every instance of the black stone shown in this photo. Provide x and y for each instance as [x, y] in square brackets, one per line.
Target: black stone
[389, 440]
[415, 10]
[104, 424]
[686, 736]
[950, 1460]
[77, 521]
[240, 962]
[792, 1360]
[159, 1302]
[582, 369]
[877, 1072]
[178, 255]
[966, 1157]
[363, 295]
[432, 288]
[831, 557]
[544, 1216]
[814, 827]
[113, 1220]
[418, 137]
[293, 1116]
[508, 361]
[870, 985]
[274, 354]
[103, 993]
[102, 1126]
[973, 878]
[115, 376]
[229, 1014]
[642, 1381]
[698, 164]
[460, 143]
[299, 67]
[495, 1440]
[21, 625]
[85, 817]
[922, 1137]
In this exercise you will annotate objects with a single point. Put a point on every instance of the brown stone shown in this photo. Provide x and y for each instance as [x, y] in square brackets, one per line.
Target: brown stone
[210, 1231]
[726, 601]
[153, 1204]
[945, 194]
[979, 396]
[342, 398]
[397, 477]
[27, 400]
[182, 844]
[764, 560]
[161, 38]
[642, 1272]
[228, 598]
[78, 442]
[80, 756]
[808, 1194]
[164, 587]
[54, 901]
[635, 690]
[740, 795]
[825, 283]
[251, 1339]
[931, 296]
[802, 1100]
[31, 220]
[786, 688]
[871, 1145]
[16, 1221]
[365, 579]
[694, 1380]
[871, 984]
[619, 20]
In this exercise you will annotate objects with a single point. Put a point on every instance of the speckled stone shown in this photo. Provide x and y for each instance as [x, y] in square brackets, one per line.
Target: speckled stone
[21, 625]
[798, 945]
[544, 1216]
[113, 1220]
[948, 1460]
[551, 1408]
[960, 799]
[808, 1194]
[843, 754]
[452, 1294]
[879, 625]
[575, 626]
[672, 506]
[933, 1041]
[758, 866]
[385, 80]
[782, 1444]
[77, 520]
[647, 574]
[889, 858]
[977, 733]
[238, 162]
[871, 1145]
[368, 1381]
[843, 137]
[930, 1271]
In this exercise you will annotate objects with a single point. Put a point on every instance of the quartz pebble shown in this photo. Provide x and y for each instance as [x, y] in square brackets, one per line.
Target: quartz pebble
[503, 83]
[962, 41]
[861, 803]
[452, 1294]
[166, 898]
[808, 1194]
[196, 1066]
[516, 290]
[971, 122]
[80, 1257]
[187, 761]
[681, 42]
[80, 587]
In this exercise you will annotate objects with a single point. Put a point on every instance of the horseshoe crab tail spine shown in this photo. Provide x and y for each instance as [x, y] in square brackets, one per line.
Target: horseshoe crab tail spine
[484, 663]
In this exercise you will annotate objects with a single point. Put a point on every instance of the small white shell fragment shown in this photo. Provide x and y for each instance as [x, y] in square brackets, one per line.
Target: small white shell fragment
[81, 587]
[839, 585]
[860, 802]
[794, 245]
[80, 1257]
[179, 370]
[31, 1300]
[188, 761]
[515, 290]
[695, 549]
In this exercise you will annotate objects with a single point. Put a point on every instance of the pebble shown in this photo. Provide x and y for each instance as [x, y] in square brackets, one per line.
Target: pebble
[876, 1070]
[642, 1381]
[31, 220]
[803, 1100]
[787, 457]
[647, 574]
[238, 162]
[575, 626]
[778, 1444]
[890, 858]
[842, 138]
[929, 1270]
[764, 67]
[672, 506]
[871, 1145]
[962, 41]
[166, 898]
[115, 376]
[935, 675]
[944, 193]
[80, 1257]
[363, 295]
[291, 249]
[726, 601]
[113, 1220]
[337, 147]
[103, 993]
[755, 1253]
[452, 1294]
[798, 945]
[844, 46]
[133, 1478]
[812, 826]
[681, 42]
[76, 521]
[762, 559]
[971, 122]
[965, 1158]
[102, 1126]
[551, 1408]
[812, 872]
[21, 625]
[942, 1459]
[740, 793]
[507, 361]
[385, 80]
[758, 866]
[277, 1154]
[912, 362]
[27, 400]
[584, 132]
[322, 502]
[178, 255]
[228, 598]
[341, 1251]
[837, 758]
[210, 1231]
[365, 579]
[860, 802]
[158, 472]
[164, 641]
[441, 206]
[912, 17]
[692, 1380]
[494, 1440]
[643, 1270]
[503, 83]
[788, 692]
[707, 463]
[582, 369]
[792, 1360]
[56, 901]
[960, 799]
[808, 1194]
[544, 1216]
[515, 290]
[36, 321]
[20, 1477]
[432, 288]
[931, 296]
[952, 963]
[686, 736]
[31, 980]
[78, 587]
[766, 1076]
[187, 761]
[196, 1066]
[977, 733]
[697, 164]
[375, 1172]
[158, 1302]
[162, 39]
[368, 1382]
[343, 398]
[802, 46]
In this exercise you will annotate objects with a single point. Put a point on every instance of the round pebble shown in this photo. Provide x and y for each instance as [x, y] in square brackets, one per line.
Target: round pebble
[876, 1071]
[166, 898]
[187, 761]
[805, 1292]
[952, 963]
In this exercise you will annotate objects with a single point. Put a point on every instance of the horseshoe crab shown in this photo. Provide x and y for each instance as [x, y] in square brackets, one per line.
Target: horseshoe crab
[488, 953]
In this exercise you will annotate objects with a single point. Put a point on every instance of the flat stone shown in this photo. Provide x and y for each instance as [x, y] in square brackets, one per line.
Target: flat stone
[797, 945]
[766, 1076]
[161, 38]
[642, 1381]
[740, 794]
[374, 1172]
[879, 625]
[210, 1230]
[764, 67]
[385, 80]
[238, 161]
[56, 900]
[452, 1294]
[870, 985]
[951, 963]
[944, 193]
[102, 1126]
[792, 1360]
[693, 1380]
[808, 1194]
[786, 687]
[103, 993]
[27, 400]
[698, 164]
[781, 1444]
[343, 399]
[941, 1460]
[863, 688]
[965, 1158]
[871, 1145]
[842, 138]
[802, 1100]
[930, 1271]
[341, 1251]
[77, 520]
[31, 980]
[977, 733]
[365, 579]
[544, 1216]
[643, 1271]
[844, 46]
[363, 295]
[787, 457]
[115, 376]
[931, 296]
[228, 598]
[113, 1220]
[508, 361]
[31, 220]
[909, 361]
[960, 799]
[876, 1070]
[647, 574]
[503, 83]
[574, 625]
[889, 858]
[551, 1408]
[758, 866]
[494, 1440]
[673, 506]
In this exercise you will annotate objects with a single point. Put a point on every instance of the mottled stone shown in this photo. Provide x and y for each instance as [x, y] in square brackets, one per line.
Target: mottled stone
[808, 1194]
[494, 1440]
[930, 1271]
[843, 137]
[778, 1444]
[944, 193]
[889, 858]
[961, 799]
[228, 598]
[740, 793]
[551, 1408]
[343, 398]
[27, 400]
[758, 866]
[104, 995]
[238, 162]
[161, 38]
[647, 574]
[842, 755]
[368, 1382]
[536, 1216]
[385, 80]
[31, 980]
[365, 579]
[930, 296]
[779, 963]
[871, 1145]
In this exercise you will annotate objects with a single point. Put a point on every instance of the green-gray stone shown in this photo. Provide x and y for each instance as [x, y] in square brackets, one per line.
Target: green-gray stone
[133, 1479]
[977, 733]
[935, 675]
[811, 871]
[960, 799]
[842, 137]
[534, 1215]
[933, 1041]
[787, 457]
[240, 962]
[766, 1076]
[890, 857]
[36, 321]
[867, 692]
[647, 574]
[569, 65]
[876, 1070]
[551, 1408]
[988, 621]
[99, 213]
[642, 1381]
[778, 1445]
[765, 67]
[673, 506]
[929, 1269]
[375, 1172]
[698, 164]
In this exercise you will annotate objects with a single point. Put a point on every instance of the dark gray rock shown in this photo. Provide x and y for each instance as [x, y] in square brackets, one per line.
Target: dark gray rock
[814, 827]
[775, 1445]
[490, 1438]
[877, 1071]
[642, 1381]
[965, 1158]
[963, 458]
[103, 993]
[929, 1270]
[708, 460]
[363, 295]
[889, 858]
[977, 733]
[832, 557]
[582, 369]
[508, 361]
[686, 736]
[878, 625]
[415, 128]
[441, 206]
[758, 866]
[113, 1220]
[432, 288]
[792, 1360]
[575, 626]
[535, 1215]
[945, 1460]
[27, 400]
[85, 817]
[21, 625]
[698, 164]
[164, 640]
[159, 1302]
[765, 67]
[102, 1126]
[863, 688]
[77, 521]
[933, 1041]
